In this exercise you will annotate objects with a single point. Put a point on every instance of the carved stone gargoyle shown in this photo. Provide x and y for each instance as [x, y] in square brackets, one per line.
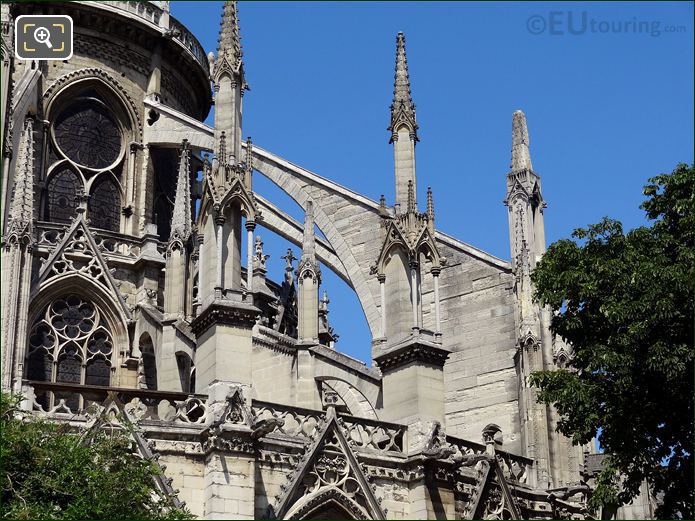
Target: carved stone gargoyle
[262, 427]
[436, 446]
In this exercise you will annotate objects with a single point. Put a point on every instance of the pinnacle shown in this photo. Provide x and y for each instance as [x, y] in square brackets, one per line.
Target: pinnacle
[402, 106]
[521, 156]
[181, 217]
[229, 42]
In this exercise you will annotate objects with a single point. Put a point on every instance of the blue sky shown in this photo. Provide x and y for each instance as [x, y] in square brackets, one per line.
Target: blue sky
[607, 108]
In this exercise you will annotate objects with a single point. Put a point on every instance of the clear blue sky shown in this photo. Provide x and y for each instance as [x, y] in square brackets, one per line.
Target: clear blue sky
[606, 108]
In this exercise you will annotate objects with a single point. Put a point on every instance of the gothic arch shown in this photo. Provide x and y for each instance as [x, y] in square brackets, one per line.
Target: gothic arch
[93, 357]
[356, 402]
[105, 198]
[148, 362]
[81, 78]
[325, 503]
[57, 206]
[79, 284]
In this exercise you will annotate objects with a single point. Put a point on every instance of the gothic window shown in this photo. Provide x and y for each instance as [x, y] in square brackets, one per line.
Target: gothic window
[105, 204]
[64, 189]
[87, 140]
[184, 363]
[88, 135]
[70, 343]
[149, 362]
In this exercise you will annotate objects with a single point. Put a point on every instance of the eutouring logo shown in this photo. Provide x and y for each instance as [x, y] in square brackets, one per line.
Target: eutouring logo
[577, 23]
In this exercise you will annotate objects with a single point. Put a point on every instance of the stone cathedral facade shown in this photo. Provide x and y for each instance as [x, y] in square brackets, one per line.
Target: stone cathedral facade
[127, 298]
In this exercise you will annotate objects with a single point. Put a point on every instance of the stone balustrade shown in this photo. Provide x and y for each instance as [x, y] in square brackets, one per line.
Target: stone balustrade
[379, 436]
[112, 244]
[155, 15]
[297, 421]
[515, 468]
[77, 402]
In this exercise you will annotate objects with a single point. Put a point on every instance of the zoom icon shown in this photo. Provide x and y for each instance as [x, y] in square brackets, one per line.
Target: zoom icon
[43, 37]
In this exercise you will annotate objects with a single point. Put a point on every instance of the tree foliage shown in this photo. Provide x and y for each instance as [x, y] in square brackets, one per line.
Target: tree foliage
[624, 302]
[49, 472]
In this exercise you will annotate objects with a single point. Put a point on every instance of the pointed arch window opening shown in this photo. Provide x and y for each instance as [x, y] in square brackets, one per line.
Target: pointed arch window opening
[64, 191]
[69, 342]
[89, 138]
[149, 363]
[104, 207]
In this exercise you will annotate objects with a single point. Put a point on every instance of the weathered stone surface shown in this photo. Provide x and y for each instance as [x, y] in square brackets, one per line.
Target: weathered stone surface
[228, 371]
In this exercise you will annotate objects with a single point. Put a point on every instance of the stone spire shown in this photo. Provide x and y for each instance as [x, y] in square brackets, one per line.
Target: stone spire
[227, 75]
[403, 131]
[229, 41]
[308, 260]
[430, 204]
[181, 217]
[221, 152]
[521, 157]
[21, 214]
[402, 107]
[412, 203]
[309, 278]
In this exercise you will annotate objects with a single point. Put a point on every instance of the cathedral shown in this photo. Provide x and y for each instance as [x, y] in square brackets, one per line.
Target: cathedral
[135, 290]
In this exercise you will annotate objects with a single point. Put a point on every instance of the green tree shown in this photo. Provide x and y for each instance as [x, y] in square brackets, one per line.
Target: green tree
[624, 302]
[49, 472]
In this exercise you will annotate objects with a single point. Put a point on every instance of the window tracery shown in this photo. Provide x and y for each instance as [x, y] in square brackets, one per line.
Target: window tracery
[88, 138]
[87, 133]
[64, 190]
[105, 204]
[70, 343]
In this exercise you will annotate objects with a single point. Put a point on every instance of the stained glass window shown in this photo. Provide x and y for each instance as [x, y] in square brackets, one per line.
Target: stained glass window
[105, 204]
[71, 335]
[64, 189]
[87, 133]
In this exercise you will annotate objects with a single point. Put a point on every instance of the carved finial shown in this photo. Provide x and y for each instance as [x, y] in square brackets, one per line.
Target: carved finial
[289, 269]
[402, 107]
[221, 154]
[324, 302]
[181, 218]
[412, 203]
[430, 203]
[249, 154]
[521, 157]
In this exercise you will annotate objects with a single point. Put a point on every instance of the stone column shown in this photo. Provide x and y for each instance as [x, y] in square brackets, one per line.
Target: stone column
[382, 291]
[219, 222]
[437, 306]
[250, 226]
[414, 292]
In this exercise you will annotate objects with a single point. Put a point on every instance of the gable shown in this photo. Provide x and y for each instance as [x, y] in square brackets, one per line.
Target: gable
[78, 254]
[328, 475]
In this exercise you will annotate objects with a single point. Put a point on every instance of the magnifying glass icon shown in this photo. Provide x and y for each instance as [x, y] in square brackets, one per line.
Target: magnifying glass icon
[43, 35]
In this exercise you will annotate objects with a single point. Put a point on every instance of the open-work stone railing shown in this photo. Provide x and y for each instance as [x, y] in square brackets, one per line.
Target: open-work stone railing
[69, 401]
[376, 435]
[295, 421]
[363, 433]
[112, 244]
[515, 468]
